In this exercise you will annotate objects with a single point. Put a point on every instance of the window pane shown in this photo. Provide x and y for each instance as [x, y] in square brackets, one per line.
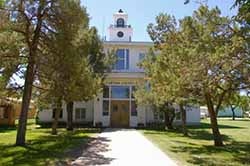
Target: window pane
[1, 112]
[178, 115]
[120, 92]
[161, 116]
[120, 54]
[127, 58]
[6, 114]
[106, 92]
[156, 115]
[120, 63]
[141, 57]
[83, 113]
[77, 113]
[105, 108]
[133, 109]
[61, 113]
[120, 22]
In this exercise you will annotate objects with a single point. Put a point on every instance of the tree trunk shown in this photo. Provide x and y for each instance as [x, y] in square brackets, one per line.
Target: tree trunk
[21, 132]
[70, 116]
[213, 119]
[56, 118]
[168, 122]
[183, 120]
[233, 111]
[29, 77]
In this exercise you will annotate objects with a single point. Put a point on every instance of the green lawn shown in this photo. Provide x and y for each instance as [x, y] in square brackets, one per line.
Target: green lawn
[198, 149]
[42, 148]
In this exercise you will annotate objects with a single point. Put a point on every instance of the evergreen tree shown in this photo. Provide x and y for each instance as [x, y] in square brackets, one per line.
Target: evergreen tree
[31, 49]
[201, 60]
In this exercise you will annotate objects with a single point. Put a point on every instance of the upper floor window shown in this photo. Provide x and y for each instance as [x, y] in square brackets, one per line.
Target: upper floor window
[141, 57]
[122, 61]
[120, 22]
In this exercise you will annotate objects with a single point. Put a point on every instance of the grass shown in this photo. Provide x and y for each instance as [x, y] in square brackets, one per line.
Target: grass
[198, 149]
[42, 147]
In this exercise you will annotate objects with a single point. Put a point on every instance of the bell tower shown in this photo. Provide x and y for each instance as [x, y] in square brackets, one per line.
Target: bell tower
[120, 30]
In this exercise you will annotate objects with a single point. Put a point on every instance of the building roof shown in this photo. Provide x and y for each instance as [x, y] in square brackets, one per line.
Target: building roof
[127, 43]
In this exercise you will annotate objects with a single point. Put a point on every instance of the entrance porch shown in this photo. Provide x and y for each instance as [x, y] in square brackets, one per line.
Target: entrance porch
[116, 107]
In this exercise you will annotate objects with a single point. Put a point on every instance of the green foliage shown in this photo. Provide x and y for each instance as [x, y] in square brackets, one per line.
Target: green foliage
[49, 44]
[76, 72]
[200, 56]
[203, 58]
[235, 100]
[243, 13]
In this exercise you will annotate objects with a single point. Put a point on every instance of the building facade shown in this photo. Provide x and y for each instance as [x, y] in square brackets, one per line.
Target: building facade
[116, 106]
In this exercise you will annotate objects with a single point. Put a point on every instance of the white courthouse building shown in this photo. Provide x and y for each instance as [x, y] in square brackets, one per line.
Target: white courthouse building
[116, 106]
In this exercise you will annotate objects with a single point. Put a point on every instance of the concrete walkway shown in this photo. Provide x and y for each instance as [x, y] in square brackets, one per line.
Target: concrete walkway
[122, 147]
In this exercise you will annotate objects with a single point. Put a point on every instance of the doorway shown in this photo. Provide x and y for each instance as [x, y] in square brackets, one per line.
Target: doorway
[119, 113]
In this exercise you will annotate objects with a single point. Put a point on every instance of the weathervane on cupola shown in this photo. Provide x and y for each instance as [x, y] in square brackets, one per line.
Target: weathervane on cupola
[120, 30]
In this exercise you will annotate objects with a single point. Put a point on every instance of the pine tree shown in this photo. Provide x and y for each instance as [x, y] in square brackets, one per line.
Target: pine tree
[201, 59]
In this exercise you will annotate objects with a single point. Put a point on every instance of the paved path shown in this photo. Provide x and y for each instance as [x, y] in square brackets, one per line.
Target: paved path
[122, 147]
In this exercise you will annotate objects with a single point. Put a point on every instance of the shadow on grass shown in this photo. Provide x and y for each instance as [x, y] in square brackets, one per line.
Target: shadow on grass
[197, 134]
[5, 129]
[233, 153]
[44, 150]
[161, 127]
[208, 126]
[201, 155]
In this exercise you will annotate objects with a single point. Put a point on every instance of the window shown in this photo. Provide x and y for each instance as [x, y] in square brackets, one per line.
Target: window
[133, 108]
[6, 114]
[2, 112]
[105, 92]
[161, 115]
[105, 108]
[156, 115]
[177, 115]
[141, 57]
[54, 113]
[122, 61]
[120, 22]
[121, 92]
[80, 113]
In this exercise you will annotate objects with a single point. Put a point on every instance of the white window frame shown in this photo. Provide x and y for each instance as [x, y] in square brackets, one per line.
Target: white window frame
[124, 60]
[81, 110]
[130, 99]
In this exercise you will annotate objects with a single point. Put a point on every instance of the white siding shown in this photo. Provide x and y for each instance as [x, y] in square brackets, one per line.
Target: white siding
[98, 109]
[193, 116]
[46, 114]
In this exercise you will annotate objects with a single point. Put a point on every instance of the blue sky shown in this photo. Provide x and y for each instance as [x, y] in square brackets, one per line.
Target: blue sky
[143, 12]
